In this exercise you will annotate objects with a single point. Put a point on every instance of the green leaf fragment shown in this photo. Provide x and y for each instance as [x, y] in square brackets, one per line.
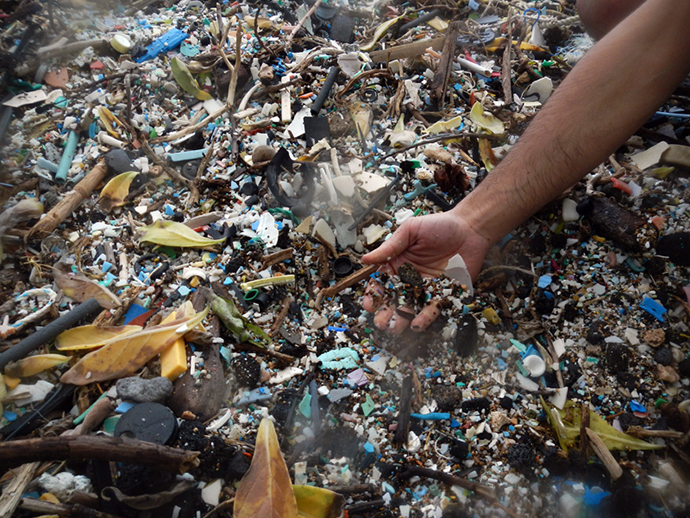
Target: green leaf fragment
[186, 81]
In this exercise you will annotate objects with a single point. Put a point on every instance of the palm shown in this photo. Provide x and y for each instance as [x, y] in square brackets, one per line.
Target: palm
[429, 242]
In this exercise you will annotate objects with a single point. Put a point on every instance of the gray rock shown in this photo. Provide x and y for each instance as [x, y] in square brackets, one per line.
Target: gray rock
[139, 390]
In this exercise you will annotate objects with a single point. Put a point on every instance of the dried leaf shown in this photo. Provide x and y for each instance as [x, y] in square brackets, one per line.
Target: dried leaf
[380, 31]
[109, 120]
[28, 208]
[116, 190]
[486, 120]
[487, 154]
[316, 502]
[32, 365]
[123, 356]
[184, 78]
[266, 489]
[80, 288]
[243, 329]
[566, 422]
[170, 233]
[90, 337]
[445, 126]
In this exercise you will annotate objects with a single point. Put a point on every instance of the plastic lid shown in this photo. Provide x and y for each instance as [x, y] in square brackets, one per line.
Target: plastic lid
[121, 43]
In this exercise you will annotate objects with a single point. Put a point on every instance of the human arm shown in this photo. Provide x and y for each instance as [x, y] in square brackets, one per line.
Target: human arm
[616, 86]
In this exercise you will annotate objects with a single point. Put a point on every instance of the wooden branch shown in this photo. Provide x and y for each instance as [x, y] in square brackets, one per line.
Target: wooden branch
[67, 205]
[288, 40]
[190, 129]
[170, 171]
[604, 455]
[62, 510]
[120, 449]
[348, 281]
[236, 68]
[445, 65]
[276, 257]
[280, 318]
[408, 50]
[12, 493]
[584, 424]
[505, 66]
[405, 405]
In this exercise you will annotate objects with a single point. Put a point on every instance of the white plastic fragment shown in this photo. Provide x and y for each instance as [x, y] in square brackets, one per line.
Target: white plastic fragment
[651, 156]
[559, 397]
[570, 210]
[210, 494]
[322, 230]
[285, 375]
[526, 383]
[457, 270]
[373, 233]
[559, 347]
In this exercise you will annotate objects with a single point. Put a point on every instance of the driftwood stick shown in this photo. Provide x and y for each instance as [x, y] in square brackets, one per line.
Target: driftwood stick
[62, 510]
[246, 346]
[276, 257]
[506, 80]
[405, 405]
[118, 449]
[584, 425]
[288, 40]
[445, 65]
[62, 210]
[13, 491]
[280, 318]
[638, 431]
[236, 69]
[170, 171]
[348, 281]
[189, 129]
[609, 462]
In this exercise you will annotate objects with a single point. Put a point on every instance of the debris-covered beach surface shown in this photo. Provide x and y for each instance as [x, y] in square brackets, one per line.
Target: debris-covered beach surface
[187, 191]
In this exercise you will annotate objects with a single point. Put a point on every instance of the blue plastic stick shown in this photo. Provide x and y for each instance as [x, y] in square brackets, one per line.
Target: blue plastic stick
[67, 156]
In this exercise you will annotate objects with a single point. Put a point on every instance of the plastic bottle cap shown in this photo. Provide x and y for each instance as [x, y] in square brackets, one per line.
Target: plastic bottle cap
[121, 43]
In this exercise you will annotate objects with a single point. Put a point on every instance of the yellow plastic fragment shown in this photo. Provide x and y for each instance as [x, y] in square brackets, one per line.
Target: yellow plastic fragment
[271, 281]
[599, 239]
[50, 497]
[491, 315]
[11, 382]
[174, 358]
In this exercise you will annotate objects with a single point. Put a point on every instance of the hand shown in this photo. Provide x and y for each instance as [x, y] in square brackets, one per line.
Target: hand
[428, 242]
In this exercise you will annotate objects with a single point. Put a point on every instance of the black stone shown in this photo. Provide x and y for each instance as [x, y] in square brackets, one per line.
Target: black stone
[664, 356]
[467, 337]
[617, 358]
[521, 455]
[479, 404]
[684, 368]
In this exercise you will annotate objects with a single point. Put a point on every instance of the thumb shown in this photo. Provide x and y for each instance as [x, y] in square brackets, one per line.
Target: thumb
[390, 248]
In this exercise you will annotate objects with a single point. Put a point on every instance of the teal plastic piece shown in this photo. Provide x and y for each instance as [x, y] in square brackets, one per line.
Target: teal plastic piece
[67, 156]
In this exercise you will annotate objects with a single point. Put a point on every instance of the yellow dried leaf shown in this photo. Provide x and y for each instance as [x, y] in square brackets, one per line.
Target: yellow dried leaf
[90, 337]
[170, 233]
[316, 502]
[80, 288]
[486, 120]
[123, 356]
[380, 31]
[9, 384]
[109, 120]
[32, 365]
[116, 190]
[266, 489]
[487, 154]
[186, 81]
[444, 126]
[3, 387]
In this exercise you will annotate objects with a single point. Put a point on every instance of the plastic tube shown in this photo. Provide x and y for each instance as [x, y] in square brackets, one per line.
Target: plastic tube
[473, 67]
[67, 156]
[325, 90]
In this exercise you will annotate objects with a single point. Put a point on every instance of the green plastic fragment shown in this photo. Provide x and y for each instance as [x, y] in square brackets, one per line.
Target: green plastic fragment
[522, 369]
[518, 345]
[659, 402]
[305, 405]
[80, 418]
[368, 406]
[110, 423]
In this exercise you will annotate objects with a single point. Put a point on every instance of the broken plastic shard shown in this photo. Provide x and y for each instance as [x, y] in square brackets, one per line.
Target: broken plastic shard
[345, 358]
[456, 269]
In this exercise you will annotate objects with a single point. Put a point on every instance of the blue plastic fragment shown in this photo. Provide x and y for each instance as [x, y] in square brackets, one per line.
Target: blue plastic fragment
[637, 407]
[652, 307]
[454, 424]
[432, 416]
[184, 156]
[168, 41]
[124, 406]
[184, 290]
[368, 447]
[592, 498]
[544, 281]
[133, 312]
[10, 416]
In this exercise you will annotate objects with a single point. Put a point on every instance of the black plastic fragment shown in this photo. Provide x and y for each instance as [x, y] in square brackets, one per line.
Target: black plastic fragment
[32, 420]
[150, 422]
[676, 247]
[316, 129]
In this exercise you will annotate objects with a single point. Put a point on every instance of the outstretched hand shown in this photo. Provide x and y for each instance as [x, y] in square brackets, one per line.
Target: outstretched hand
[427, 243]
